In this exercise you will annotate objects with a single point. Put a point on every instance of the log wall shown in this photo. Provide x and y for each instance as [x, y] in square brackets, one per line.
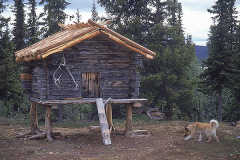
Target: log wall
[99, 67]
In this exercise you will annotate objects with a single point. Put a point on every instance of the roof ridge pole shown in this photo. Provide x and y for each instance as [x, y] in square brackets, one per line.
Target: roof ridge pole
[121, 37]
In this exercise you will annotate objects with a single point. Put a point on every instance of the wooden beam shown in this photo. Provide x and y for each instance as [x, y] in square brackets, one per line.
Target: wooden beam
[70, 44]
[50, 42]
[25, 76]
[103, 122]
[126, 45]
[121, 37]
[89, 101]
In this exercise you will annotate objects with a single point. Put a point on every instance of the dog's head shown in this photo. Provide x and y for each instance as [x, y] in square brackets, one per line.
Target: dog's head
[186, 131]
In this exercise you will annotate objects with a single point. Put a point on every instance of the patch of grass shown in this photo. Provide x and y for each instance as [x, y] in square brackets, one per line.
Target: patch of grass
[231, 145]
[6, 121]
[75, 124]
[228, 146]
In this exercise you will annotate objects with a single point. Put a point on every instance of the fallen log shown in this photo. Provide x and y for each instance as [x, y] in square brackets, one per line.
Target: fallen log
[155, 114]
[139, 134]
[55, 135]
[94, 129]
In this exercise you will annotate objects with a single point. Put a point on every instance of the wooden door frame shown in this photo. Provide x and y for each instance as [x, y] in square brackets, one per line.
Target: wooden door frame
[99, 83]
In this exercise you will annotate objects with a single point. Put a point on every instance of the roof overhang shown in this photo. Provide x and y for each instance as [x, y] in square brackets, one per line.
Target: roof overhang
[74, 34]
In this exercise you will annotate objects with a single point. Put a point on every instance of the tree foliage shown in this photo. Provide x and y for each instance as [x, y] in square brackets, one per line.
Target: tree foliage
[33, 24]
[54, 14]
[169, 81]
[19, 27]
[10, 89]
[165, 79]
[94, 16]
[221, 41]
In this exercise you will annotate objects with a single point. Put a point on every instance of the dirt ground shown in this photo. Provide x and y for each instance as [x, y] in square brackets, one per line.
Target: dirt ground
[166, 142]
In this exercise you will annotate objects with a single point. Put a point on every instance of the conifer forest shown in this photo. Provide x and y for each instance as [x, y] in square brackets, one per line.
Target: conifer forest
[174, 81]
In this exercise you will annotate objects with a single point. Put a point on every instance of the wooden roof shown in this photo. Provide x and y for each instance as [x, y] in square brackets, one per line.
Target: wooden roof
[73, 34]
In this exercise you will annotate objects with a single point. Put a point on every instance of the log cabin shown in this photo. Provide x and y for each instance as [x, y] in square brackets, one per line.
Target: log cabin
[79, 64]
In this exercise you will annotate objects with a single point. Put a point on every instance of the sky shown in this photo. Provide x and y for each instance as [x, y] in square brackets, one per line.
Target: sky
[196, 19]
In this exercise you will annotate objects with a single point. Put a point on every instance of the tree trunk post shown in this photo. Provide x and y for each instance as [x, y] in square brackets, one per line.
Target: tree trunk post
[128, 129]
[34, 119]
[109, 116]
[48, 124]
[103, 122]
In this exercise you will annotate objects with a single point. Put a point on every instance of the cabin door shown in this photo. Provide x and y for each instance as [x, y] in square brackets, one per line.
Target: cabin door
[90, 85]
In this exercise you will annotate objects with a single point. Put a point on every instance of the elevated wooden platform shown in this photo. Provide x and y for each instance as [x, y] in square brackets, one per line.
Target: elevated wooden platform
[88, 101]
[105, 116]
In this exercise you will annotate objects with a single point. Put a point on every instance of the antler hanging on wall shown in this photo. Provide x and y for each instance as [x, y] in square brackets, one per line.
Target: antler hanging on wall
[57, 80]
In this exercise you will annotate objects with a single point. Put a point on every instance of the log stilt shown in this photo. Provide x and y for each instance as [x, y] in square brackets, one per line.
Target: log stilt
[109, 116]
[48, 124]
[103, 122]
[128, 129]
[35, 130]
[34, 119]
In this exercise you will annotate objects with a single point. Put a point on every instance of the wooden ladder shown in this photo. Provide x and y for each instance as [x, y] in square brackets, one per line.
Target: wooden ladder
[103, 122]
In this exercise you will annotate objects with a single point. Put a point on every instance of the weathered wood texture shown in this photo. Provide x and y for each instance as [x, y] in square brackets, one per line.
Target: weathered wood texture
[89, 101]
[103, 122]
[34, 119]
[92, 69]
[109, 116]
[128, 129]
[48, 124]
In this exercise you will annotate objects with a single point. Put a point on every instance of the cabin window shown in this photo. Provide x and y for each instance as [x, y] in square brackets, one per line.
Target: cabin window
[90, 85]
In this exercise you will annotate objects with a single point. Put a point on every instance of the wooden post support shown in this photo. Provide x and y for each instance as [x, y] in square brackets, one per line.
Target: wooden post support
[48, 124]
[34, 119]
[103, 122]
[109, 116]
[128, 129]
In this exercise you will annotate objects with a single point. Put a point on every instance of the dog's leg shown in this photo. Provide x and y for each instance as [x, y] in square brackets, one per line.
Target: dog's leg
[215, 136]
[188, 137]
[209, 138]
[200, 137]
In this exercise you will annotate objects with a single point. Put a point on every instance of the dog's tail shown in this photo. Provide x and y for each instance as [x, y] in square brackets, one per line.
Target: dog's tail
[214, 123]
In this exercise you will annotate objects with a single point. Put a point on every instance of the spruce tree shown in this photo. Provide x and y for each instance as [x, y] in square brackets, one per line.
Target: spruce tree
[53, 14]
[174, 12]
[221, 49]
[159, 13]
[32, 25]
[165, 79]
[19, 27]
[95, 16]
[10, 89]
[233, 112]
[129, 18]
[3, 21]
[78, 16]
